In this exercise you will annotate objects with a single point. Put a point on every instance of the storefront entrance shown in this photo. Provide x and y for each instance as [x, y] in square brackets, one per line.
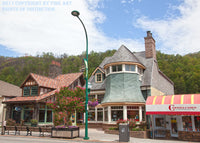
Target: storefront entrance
[174, 127]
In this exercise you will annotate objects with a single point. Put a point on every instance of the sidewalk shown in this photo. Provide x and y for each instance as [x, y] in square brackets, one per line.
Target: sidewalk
[97, 135]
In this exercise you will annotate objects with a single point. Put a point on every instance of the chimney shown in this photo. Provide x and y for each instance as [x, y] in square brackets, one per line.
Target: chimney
[150, 48]
[54, 69]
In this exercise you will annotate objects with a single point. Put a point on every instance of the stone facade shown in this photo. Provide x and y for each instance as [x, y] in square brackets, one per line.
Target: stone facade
[189, 136]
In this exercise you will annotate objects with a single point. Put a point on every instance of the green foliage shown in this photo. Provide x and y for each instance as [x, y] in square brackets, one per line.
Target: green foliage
[137, 129]
[34, 121]
[182, 70]
[113, 128]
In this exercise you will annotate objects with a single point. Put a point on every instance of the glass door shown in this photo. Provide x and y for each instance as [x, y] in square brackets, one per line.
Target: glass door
[174, 127]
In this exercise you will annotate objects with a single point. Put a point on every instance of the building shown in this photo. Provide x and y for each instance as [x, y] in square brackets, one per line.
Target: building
[7, 91]
[122, 83]
[175, 116]
[37, 90]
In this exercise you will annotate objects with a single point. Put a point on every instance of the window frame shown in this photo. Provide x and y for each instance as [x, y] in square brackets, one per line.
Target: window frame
[96, 77]
[30, 91]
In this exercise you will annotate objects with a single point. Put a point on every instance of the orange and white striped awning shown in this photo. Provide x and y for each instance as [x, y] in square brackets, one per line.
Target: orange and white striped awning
[188, 104]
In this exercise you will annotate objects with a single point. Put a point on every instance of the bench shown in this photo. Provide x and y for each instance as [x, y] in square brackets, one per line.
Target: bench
[28, 129]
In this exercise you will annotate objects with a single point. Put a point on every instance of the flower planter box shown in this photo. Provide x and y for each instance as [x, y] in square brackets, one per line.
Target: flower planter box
[65, 132]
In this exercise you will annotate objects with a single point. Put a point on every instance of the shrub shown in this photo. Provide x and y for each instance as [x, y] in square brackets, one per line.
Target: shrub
[113, 128]
[137, 129]
[132, 123]
[143, 125]
[34, 121]
[10, 122]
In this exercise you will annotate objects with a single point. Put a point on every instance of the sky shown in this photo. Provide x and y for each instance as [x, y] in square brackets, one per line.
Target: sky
[31, 27]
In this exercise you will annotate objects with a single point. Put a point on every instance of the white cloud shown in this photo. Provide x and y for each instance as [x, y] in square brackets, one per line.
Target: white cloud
[179, 35]
[55, 31]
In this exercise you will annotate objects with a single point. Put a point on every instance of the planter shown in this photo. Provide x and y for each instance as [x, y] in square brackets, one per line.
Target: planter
[65, 132]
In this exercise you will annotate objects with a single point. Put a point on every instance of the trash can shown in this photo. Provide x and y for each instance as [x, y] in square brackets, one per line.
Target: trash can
[124, 135]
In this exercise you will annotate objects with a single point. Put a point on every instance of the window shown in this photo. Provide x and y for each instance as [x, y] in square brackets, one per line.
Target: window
[187, 123]
[98, 77]
[28, 113]
[44, 110]
[100, 114]
[197, 123]
[41, 115]
[49, 116]
[30, 91]
[34, 90]
[91, 114]
[130, 68]
[26, 91]
[116, 113]
[106, 114]
[117, 68]
[160, 122]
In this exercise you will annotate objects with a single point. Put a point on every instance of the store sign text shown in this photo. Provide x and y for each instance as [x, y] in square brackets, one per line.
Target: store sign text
[181, 108]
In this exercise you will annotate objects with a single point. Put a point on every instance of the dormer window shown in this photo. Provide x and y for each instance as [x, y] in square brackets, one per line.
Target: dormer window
[30, 91]
[116, 68]
[98, 77]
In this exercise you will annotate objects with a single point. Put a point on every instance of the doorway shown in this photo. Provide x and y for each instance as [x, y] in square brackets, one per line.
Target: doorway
[174, 127]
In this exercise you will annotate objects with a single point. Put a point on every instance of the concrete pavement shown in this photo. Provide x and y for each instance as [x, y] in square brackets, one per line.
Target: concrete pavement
[95, 135]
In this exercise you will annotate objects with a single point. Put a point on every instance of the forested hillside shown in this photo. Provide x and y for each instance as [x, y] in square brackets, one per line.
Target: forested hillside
[184, 71]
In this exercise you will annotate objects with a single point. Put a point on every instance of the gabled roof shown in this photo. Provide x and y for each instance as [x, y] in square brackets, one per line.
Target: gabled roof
[123, 54]
[42, 81]
[98, 68]
[59, 81]
[56, 84]
[7, 89]
[67, 79]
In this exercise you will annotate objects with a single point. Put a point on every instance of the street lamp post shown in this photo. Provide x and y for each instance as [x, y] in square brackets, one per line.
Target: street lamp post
[76, 13]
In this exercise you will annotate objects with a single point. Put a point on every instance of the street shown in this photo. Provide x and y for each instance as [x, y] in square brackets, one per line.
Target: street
[30, 139]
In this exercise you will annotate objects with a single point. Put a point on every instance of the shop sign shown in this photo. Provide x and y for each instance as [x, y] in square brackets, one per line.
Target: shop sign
[18, 108]
[182, 108]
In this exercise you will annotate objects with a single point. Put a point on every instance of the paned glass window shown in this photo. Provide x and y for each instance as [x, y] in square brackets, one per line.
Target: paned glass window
[117, 68]
[34, 90]
[100, 114]
[45, 111]
[187, 123]
[91, 114]
[116, 113]
[26, 91]
[98, 77]
[197, 123]
[130, 68]
[42, 116]
[28, 114]
[49, 116]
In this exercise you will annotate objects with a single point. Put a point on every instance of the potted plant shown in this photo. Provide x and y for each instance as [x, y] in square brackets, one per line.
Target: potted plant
[34, 122]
